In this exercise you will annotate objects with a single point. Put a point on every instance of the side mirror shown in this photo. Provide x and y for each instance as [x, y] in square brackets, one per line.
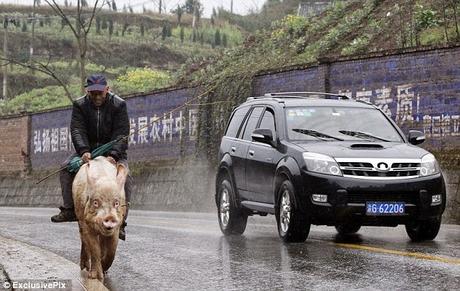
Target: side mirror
[416, 137]
[264, 136]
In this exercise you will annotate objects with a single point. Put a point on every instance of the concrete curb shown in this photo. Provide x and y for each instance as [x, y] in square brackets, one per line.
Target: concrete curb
[23, 263]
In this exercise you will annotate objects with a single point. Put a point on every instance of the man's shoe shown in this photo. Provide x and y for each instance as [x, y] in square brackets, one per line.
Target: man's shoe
[122, 233]
[66, 215]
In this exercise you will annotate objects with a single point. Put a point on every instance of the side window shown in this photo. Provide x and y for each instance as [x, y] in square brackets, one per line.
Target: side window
[268, 121]
[252, 122]
[235, 122]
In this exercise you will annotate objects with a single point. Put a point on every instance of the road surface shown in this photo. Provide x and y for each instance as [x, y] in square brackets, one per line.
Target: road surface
[186, 251]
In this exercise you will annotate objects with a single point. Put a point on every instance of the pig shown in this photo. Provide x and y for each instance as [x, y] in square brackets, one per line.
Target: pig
[99, 200]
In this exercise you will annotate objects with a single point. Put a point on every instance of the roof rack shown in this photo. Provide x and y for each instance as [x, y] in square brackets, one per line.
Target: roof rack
[306, 95]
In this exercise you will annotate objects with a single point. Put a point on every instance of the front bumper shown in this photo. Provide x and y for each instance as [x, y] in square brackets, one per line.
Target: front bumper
[347, 198]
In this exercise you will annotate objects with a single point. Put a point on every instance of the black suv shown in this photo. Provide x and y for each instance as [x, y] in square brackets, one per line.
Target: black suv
[324, 159]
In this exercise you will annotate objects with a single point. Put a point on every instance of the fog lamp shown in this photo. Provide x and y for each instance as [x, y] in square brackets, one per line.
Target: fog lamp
[319, 198]
[436, 199]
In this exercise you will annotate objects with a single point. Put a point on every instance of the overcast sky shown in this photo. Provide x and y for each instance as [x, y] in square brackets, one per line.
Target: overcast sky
[239, 6]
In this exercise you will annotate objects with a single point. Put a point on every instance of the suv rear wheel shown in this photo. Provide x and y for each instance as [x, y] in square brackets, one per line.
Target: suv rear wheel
[420, 230]
[293, 224]
[232, 219]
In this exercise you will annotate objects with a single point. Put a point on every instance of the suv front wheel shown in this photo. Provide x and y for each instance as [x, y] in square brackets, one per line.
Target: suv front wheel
[232, 219]
[420, 230]
[293, 224]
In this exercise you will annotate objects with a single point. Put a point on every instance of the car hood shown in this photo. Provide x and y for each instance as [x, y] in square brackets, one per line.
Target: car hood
[355, 149]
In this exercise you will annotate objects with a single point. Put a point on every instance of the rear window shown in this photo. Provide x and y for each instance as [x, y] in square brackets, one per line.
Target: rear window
[235, 122]
[252, 122]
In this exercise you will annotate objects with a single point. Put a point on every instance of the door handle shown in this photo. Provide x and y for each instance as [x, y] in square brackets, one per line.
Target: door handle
[251, 153]
[233, 149]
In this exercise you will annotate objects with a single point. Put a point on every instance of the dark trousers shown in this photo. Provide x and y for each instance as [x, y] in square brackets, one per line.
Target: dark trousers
[66, 179]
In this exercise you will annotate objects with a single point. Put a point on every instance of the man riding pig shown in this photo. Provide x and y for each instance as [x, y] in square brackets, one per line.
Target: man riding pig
[97, 118]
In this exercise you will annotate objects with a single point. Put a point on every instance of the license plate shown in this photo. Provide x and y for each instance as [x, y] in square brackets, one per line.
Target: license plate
[385, 208]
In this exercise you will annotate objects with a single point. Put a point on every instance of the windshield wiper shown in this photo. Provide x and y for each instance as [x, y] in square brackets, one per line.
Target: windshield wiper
[362, 135]
[315, 133]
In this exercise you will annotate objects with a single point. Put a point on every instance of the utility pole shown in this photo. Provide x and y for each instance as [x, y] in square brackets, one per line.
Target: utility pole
[194, 14]
[31, 52]
[5, 54]
[231, 6]
[159, 10]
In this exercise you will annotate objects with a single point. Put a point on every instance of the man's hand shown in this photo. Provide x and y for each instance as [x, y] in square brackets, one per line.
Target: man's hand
[86, 157]
[112, 160]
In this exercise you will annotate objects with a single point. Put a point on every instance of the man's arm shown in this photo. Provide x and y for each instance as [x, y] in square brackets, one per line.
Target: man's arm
[120, 129]
[78, 130]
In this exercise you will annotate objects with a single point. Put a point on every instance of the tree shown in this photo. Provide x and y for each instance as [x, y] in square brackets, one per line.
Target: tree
[217, 39]
[98, 25]
[142, 29]
[224, 40]
[66, 3]
[125, 27]
[131, 9]
[80, 30]
[104, 24]
[455, 4]
[114, 6]
[110, 29]
[179, 12]
[164, 32]
[24, 26]
[182, 34]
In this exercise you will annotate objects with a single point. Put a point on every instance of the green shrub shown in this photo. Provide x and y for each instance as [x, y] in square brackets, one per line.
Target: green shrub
[141, 80]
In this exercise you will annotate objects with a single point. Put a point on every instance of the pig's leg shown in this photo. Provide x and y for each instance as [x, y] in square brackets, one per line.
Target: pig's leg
[84, 255]
[109, 246]
[94, 251]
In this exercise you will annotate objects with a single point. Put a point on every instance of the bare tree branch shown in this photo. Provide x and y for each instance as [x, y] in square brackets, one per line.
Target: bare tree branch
[57, 9]
[44, 68]
[92, 16]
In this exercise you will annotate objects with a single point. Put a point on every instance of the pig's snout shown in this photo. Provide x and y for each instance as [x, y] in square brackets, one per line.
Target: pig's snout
[110, 222]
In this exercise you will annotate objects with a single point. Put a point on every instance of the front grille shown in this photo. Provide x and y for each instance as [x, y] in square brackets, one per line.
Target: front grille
[362, 198]
[379, 168]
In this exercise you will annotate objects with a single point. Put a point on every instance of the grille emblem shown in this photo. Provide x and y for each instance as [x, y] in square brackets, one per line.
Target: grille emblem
[383, 167]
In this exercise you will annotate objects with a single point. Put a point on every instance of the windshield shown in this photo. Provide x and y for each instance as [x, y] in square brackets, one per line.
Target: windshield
[339, 123]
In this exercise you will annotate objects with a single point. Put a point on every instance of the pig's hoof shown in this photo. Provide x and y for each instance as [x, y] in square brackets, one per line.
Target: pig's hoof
[92, 274]
[83, 266]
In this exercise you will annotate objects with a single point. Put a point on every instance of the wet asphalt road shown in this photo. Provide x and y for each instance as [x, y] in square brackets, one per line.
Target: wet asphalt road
[179, 251]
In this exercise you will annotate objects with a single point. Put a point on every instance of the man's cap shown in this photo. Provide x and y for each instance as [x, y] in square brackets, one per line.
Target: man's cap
[96, 83]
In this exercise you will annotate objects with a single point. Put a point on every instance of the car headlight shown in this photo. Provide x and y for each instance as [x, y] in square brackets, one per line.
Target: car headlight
[429, 165]
[321, 164]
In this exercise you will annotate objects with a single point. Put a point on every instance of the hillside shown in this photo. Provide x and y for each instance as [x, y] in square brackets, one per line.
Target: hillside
[346, 28]
[118, 43]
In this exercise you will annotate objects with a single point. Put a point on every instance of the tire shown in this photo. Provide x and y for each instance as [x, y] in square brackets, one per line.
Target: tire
[293, 224]
[421, 230]
[347, 228]
[232, 219]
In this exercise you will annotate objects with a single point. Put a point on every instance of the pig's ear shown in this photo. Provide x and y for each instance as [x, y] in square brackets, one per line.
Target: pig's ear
[90, 176]
[122, 173]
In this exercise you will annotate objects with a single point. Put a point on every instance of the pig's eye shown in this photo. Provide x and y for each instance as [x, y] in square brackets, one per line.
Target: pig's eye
[116, 203]
[96, 203]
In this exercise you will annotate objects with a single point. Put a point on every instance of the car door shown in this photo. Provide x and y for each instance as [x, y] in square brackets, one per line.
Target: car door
[237, 149]
[260, 163]
[241, 150]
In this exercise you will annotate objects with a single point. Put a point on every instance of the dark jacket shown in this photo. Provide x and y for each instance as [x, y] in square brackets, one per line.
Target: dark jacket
[93, 126]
